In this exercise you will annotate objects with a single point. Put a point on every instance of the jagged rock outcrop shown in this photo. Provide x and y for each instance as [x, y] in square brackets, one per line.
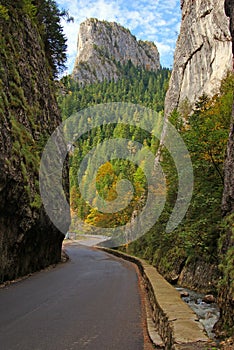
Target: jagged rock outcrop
[103, 46]
[28, 115]
[203, 53]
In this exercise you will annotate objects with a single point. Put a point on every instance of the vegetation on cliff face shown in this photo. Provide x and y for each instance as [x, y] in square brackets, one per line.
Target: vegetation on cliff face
[226, 243]
[31, 53]
[226, 284]
[193, 246]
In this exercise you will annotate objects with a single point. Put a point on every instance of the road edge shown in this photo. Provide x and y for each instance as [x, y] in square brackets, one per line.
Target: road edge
[167, 327]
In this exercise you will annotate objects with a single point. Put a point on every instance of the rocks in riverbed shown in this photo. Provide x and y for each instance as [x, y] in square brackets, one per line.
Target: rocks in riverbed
[184, 294]
[209, 299]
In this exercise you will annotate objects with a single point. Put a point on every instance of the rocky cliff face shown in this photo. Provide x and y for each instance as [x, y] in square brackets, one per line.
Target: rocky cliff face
[228, 195]
[229, 11]
[203, 52]
[103, 46]
[28, 115]
[226, 295]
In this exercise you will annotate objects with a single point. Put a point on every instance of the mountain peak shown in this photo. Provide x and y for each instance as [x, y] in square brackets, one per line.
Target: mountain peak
[103, 46]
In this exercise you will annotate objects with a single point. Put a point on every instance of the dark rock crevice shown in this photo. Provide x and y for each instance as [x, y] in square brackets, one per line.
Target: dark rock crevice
[189, 59]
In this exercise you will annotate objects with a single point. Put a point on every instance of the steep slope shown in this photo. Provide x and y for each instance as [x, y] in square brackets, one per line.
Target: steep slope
[103, 46]
[203, 53]
[228, 195]
[28, 115]
[226, 296]
[203, 56]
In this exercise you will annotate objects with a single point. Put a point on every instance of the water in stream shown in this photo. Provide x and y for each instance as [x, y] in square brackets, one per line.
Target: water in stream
[208, 314]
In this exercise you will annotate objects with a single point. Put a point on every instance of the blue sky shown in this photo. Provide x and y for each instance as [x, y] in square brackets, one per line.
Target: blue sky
[154, 20]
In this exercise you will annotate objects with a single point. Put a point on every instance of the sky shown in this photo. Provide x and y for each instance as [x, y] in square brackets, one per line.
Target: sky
[154, 20]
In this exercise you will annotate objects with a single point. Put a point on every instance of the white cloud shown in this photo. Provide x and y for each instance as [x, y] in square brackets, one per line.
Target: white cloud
[156, 20]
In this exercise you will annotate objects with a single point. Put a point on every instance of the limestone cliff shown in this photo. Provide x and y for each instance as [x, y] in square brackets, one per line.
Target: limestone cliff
[203, 52]
[103, 46]
[229, 11]
[28, 115]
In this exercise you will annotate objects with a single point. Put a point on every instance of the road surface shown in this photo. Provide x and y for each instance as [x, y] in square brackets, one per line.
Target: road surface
[91, 302]
[89, 240]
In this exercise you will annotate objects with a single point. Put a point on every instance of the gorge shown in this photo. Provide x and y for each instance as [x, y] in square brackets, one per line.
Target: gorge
[113, 66]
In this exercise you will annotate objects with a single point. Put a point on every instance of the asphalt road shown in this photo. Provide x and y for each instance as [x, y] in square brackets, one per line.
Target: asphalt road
[92, 302]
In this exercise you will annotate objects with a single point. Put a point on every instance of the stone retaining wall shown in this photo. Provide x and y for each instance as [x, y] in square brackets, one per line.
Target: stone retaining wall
[174, 320]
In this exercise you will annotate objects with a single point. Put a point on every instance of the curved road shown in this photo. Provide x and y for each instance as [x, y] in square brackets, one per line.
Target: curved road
[92, 302]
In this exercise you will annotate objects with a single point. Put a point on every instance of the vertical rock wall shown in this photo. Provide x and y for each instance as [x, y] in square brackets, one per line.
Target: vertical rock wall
[226, 295]
[203, 52]
[28, 115]
[103, 46]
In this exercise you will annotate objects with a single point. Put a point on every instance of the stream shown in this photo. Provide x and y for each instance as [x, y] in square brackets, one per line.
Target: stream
[208, 314]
